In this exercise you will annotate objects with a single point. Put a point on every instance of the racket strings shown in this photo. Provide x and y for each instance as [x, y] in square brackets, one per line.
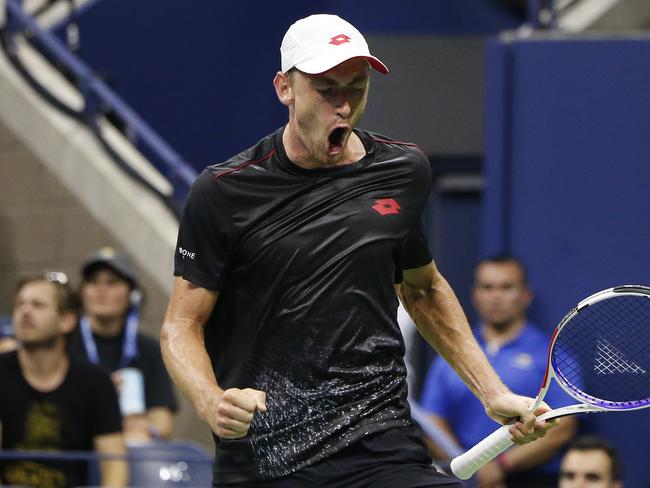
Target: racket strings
[601, 354]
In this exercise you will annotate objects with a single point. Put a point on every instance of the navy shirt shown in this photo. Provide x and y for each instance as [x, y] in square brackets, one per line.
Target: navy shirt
[521, 364]
[305, 262]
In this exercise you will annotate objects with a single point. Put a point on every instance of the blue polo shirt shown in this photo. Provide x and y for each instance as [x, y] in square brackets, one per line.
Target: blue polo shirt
[521, 364]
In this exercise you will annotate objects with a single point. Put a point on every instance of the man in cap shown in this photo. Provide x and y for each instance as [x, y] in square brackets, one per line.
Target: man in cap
[50, 401]
[108, 336]
[281, 326]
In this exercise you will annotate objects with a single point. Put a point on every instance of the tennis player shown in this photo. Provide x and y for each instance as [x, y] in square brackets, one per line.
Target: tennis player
[281, 327]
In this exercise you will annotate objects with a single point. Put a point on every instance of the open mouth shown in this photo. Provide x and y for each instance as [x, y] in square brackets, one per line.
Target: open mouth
[335, 140]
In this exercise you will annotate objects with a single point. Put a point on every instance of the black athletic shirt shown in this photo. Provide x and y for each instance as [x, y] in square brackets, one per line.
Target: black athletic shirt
[66, 418]
[305, 262]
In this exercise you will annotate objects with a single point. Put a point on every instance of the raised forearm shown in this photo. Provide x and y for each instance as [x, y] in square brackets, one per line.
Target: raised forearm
[186, 359]
[441, 321]
[229, 413]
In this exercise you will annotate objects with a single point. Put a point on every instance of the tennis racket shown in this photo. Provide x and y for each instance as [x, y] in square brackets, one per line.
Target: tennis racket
[599, 354]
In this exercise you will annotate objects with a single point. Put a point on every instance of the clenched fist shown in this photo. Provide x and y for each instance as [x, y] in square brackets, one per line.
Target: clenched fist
[235, 411]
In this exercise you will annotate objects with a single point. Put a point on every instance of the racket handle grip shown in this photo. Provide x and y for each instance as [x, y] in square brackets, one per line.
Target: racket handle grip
[465, 465]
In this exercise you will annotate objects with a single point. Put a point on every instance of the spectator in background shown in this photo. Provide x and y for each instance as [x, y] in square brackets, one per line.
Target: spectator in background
[49, 401]
[517, 351]
[591, 462]
[108, 335]
[8, 343]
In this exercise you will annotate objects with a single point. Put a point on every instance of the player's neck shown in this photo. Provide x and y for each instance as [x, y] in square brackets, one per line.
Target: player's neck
[499, 335]
[107, 326]
[44, 368]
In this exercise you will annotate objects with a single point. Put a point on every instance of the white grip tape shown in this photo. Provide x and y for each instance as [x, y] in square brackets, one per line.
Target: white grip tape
[465, 465]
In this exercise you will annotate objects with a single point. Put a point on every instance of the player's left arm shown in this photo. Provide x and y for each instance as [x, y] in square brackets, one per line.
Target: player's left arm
[434, 308]
[114, 473]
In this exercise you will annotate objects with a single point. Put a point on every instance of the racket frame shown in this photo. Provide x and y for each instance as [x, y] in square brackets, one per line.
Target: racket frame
[465, 465]
[583, 398]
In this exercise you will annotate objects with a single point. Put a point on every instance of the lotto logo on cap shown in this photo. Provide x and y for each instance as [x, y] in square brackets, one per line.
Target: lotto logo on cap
[320, 42]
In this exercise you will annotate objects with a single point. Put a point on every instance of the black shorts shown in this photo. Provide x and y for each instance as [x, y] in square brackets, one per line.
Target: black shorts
[395, 458]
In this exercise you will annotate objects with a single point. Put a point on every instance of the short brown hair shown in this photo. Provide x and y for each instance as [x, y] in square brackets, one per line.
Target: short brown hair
[66, 299]
[507, 259]
[591, 443]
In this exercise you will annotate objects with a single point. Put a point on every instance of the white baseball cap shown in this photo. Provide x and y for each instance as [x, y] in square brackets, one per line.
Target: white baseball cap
[319, 42]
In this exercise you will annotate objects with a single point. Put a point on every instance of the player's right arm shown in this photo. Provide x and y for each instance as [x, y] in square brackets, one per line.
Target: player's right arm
[228, 412]
[432, 304]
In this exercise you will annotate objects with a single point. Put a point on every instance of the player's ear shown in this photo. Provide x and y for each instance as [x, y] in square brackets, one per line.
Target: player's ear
[283, 88]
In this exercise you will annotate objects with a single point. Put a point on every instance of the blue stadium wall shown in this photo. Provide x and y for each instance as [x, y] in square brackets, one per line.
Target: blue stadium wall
[567, 168]
[200, 71]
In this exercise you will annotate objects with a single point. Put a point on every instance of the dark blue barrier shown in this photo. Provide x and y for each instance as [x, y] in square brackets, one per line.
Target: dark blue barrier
[156, 465]
[567, 172]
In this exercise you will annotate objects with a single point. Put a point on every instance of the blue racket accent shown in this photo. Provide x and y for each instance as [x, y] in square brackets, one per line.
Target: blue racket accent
[601, 355]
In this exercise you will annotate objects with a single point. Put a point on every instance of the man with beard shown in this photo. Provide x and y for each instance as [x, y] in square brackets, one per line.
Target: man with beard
[50, 402]
[281, 327]
[517, 351]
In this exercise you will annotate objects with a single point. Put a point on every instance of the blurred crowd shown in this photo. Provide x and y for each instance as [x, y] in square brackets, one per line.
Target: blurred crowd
[78, 374]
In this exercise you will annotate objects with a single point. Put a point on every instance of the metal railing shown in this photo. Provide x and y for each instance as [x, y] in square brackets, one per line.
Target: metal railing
[183, 464]
[99, 100]
[156, 465]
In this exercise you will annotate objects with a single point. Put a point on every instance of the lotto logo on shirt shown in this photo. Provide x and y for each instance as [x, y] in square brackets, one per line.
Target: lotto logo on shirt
[186, 254]
[386, 206]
